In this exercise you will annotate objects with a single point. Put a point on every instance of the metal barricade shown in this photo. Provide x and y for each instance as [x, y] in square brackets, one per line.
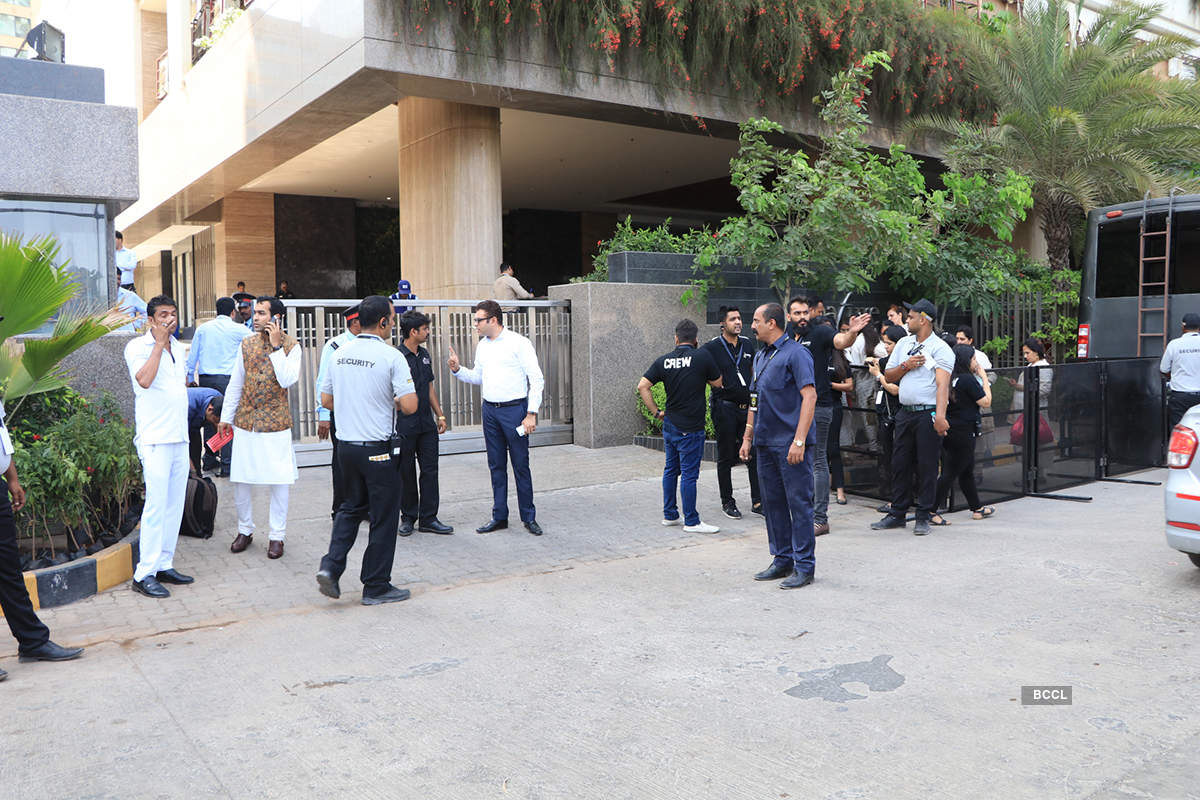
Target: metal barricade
[546, 323]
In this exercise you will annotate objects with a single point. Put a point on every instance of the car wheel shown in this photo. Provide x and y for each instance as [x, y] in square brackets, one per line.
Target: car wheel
[1195, 557]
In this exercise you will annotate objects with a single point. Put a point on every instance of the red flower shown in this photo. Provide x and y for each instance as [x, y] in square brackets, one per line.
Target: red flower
[37, 437]
[90, 470]
[102, 420]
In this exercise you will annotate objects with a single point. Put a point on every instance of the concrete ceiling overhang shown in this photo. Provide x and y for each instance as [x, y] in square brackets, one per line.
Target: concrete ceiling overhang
[548, 161]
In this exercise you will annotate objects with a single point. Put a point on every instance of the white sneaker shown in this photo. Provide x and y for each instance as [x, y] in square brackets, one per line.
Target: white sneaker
[667, 523]
[700, 528]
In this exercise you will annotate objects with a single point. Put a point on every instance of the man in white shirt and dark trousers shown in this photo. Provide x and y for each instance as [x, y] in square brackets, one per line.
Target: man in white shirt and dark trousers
[33, 637]
[366, 384]
[921, 364]
[1181, 366]
[157, 369]
[126, 263]
[507, 371]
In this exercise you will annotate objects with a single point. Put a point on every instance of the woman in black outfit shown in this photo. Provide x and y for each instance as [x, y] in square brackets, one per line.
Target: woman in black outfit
[969, 392]
[840, 382]
[887, 403]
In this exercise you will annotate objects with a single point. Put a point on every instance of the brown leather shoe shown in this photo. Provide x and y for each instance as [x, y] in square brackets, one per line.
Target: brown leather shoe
[275, 549]
[240, 543]
[821, 530]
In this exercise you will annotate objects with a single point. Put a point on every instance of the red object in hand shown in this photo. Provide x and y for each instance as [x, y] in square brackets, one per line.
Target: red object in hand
[218, 441]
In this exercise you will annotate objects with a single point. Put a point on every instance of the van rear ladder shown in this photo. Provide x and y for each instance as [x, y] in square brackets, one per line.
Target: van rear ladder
[1146, 262]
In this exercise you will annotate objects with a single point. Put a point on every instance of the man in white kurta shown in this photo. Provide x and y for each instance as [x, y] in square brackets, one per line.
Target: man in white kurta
[157, 370]
[256, 408]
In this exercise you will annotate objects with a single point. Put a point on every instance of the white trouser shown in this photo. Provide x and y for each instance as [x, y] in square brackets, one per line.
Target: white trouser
[165, 469]
[279, 504]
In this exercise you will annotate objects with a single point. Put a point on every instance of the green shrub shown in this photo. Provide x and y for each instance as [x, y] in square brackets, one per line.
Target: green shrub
[654, 426]
[38, 413]
[628, 239]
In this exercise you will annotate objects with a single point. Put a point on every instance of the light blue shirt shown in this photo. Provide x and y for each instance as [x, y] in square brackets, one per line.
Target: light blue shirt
[129, 303]
[215, 347]
[326, 357]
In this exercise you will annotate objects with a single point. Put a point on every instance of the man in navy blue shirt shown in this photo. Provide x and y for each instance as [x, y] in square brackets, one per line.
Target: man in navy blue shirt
[780, 428]
[204, 407]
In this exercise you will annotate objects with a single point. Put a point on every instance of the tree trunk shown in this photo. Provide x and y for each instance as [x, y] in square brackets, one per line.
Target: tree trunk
[1057, 216]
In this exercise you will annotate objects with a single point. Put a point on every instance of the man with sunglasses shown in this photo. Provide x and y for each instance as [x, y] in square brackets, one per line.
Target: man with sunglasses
[507, 371]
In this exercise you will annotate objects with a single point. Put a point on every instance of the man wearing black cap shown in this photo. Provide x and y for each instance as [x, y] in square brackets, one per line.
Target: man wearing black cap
[1181, 366]
[326, 429]
[920, 364]
[245, 309]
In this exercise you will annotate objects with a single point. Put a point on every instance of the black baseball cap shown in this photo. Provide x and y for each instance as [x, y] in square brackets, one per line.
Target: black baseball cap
[925, 307]
[1191, 321]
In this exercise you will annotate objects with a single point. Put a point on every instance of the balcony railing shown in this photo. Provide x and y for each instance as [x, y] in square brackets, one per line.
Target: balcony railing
[207, 13]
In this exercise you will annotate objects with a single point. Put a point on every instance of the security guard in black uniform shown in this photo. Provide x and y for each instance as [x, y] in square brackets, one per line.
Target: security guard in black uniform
[367, 382]
[419, 499]
[734, 356]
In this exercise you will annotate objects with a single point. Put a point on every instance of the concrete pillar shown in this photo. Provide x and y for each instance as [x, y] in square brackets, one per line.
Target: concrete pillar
[449, 193]
[244, 244]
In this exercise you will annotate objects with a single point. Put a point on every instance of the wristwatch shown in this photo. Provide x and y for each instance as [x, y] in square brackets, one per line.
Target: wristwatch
[276, 348]
[798, 443]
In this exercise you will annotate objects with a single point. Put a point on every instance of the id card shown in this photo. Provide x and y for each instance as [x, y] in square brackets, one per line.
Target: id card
[6, 445]
[879, 397]
[741, 379]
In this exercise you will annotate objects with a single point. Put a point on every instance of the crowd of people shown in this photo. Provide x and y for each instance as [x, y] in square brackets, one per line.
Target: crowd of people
[777, 406]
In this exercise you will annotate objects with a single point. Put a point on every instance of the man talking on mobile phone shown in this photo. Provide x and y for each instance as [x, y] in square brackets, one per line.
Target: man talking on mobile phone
[256, 409]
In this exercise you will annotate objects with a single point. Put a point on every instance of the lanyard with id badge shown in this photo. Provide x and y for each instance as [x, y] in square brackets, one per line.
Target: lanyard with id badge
[758, 376]
[736, 359]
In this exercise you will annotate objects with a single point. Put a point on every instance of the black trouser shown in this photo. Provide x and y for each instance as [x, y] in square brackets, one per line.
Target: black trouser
[339, 491]
[1178, 404]
[419, 499]
[958, 461]
[730, 424]
[195, 447]
[14, 597]
[915, 450]
[885, 428]
[211, 459]
[833, 449]
[372, 486]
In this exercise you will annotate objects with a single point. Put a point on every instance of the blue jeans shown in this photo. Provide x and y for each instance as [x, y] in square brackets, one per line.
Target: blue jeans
[822, 419]
[684, 451]
[788, 505]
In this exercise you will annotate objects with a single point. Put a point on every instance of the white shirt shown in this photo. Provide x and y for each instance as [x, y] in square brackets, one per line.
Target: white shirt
[982, 360]
[160, 411]
[1182, 360]
[918, 387]
[856, 353]
[364, 377]
[6, 446]
[126, 263]
[507, 369]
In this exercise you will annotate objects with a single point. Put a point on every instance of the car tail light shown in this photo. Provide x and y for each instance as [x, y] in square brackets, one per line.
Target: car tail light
[1085, 334]
[1183, 447]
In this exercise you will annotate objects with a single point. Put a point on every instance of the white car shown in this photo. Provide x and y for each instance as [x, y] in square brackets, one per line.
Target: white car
[1182, 491]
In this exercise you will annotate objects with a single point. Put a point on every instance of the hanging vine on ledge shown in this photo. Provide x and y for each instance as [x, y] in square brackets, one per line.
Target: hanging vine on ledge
[777, 53]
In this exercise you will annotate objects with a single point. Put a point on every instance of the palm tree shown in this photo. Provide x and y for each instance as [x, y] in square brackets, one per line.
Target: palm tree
[1080, 112]
[34, 287]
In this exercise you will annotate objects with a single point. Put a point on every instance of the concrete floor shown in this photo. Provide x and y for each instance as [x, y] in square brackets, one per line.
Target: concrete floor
[613, 658]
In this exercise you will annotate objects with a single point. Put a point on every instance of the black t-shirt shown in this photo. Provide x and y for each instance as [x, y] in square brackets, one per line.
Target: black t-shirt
[819, 341]
[684, 372]
[421, 367]
[724, 355]
[963, 409]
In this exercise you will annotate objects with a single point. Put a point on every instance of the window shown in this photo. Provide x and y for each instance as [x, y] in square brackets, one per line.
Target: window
[11, 25]
[22, 3]
[1117, 255]
[81, 230]
[1117, 259]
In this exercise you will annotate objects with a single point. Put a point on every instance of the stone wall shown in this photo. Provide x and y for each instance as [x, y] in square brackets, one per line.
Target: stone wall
[617, 329]
[99, 367]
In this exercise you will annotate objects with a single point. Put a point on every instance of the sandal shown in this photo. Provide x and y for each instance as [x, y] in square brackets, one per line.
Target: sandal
[983, 513]
[938, 520]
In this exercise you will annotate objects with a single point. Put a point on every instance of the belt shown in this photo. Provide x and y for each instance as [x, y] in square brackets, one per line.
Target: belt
[384, 443]
[506, 403]
[742, 406]
[915, 409]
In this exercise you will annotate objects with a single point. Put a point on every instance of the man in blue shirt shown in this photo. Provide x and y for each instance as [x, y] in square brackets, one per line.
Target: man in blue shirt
[204, 410]
[779, 426]
[326, 427]
[215, 347]
[129, 303]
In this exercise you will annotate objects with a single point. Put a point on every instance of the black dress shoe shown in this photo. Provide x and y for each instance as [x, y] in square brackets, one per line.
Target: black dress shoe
[775, 572]
[890, 521]
[150, 587]
[492, 525]
[435, 525]
[921, 528]
[392, 595]
[174, 576]
[796, 580]
[533, 527]
[886, 508]
[328, 585]
[406, 528]
[49, 652]
[731, 510]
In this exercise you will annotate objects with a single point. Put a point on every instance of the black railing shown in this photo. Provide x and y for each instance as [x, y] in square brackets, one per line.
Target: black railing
[1094, 420]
